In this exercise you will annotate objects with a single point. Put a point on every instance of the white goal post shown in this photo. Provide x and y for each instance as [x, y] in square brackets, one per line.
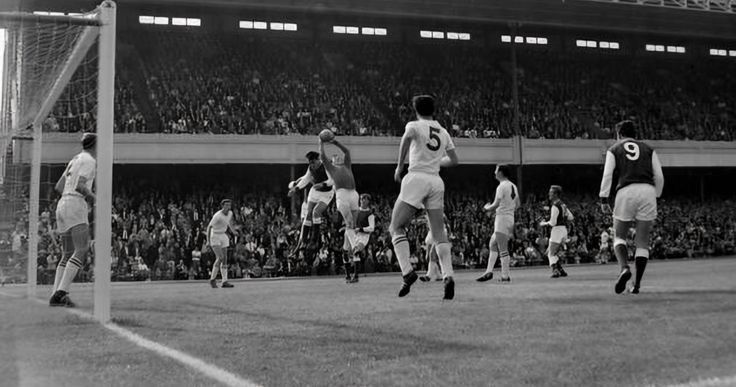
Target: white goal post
[20, 115]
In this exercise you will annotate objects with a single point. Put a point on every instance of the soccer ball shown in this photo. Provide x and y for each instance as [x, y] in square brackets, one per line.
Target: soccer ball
[326, 135]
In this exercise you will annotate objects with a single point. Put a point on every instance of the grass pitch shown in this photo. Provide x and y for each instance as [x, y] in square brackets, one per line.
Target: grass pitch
[318, 332]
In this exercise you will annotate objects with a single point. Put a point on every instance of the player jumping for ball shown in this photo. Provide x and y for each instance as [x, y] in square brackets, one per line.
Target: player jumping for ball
[75, 186]
[430, 147]
[319, 197]
[346, 197]
[640, 183]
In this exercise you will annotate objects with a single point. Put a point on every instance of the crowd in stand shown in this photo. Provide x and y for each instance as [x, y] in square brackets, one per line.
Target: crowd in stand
[161, 235]
[199, 82]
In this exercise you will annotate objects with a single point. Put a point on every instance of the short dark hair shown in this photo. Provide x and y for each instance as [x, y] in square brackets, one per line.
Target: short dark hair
[626, 128]
[505, 169]
[312, 155]
[557, 189]
[223, 201]
[366, 196]
[89, 140]
[423, 104]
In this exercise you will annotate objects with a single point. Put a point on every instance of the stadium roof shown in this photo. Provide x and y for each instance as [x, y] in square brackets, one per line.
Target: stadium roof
[616, 15]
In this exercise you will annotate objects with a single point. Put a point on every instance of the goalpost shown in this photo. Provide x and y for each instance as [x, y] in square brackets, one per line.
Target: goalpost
[39, 57]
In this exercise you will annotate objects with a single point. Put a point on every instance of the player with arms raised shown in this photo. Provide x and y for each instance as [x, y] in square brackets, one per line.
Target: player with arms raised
[429, 147]
[75, 186]
[346, 198]
[640, 183]
[505, 204]
[218, 240]
[319, 197]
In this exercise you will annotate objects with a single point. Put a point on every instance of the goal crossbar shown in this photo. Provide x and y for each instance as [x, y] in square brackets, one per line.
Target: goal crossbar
[25, 17]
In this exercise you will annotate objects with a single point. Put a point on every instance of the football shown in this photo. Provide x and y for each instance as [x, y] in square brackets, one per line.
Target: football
[326, 135]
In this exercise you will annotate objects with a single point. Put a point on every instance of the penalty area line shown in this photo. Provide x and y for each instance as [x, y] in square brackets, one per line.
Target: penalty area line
[213, 372]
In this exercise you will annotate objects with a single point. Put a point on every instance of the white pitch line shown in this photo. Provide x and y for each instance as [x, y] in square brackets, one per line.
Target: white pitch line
[710, 382]
[225, 377]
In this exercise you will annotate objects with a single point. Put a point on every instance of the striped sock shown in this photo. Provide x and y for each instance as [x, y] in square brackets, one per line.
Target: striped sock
[401, 248]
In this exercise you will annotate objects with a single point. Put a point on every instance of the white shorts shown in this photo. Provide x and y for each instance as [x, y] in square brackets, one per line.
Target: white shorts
[558, 234]
[355, 239]
[422, 190]
[219, 239]
[347, 202]
[71, 211]
[320, 197]
[636, 202]
[504, 224]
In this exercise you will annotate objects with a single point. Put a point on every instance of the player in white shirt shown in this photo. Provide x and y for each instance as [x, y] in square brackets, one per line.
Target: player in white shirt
[218, 240]
[505, 204]
[72, 211]
[430, 147]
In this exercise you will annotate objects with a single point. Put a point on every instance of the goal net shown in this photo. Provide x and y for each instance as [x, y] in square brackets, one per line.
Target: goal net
[57, 74]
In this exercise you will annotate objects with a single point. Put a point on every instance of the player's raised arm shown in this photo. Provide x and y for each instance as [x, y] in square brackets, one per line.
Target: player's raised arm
[347, 160]
[403, 150]
[323, 156]
[607, 180]
[301, 182]
[658, 175]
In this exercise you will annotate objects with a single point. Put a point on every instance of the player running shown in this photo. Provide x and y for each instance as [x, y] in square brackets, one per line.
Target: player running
[640, 183]
[429, 147]
[219, 241]
[346, 197]
[558, 218]
[75, 186]
[319, 197]
[505, 204]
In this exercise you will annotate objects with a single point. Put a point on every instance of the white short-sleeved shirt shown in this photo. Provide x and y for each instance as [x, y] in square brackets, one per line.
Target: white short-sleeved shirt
[430, 143]
[220, 221]
[82, 165]
[506, 194]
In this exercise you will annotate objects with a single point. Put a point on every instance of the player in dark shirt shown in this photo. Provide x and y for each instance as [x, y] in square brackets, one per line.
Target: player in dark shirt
[640, 183]
[320, 196]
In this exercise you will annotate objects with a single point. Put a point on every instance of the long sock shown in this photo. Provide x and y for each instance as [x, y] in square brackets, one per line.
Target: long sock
[433, 270]
[223, 270]
[622, 255]
[304, 234]
[401, 249]
[492, 257]
[215, 269]
[59, 274]
[314, 236]
[357, 258]
[552, 259]
[348, 267]
[642, 257]
[72, 267]
[445, 256]
[505, 263]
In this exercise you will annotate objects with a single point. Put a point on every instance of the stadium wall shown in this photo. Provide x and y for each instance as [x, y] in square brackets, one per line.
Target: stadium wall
[58, 148]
